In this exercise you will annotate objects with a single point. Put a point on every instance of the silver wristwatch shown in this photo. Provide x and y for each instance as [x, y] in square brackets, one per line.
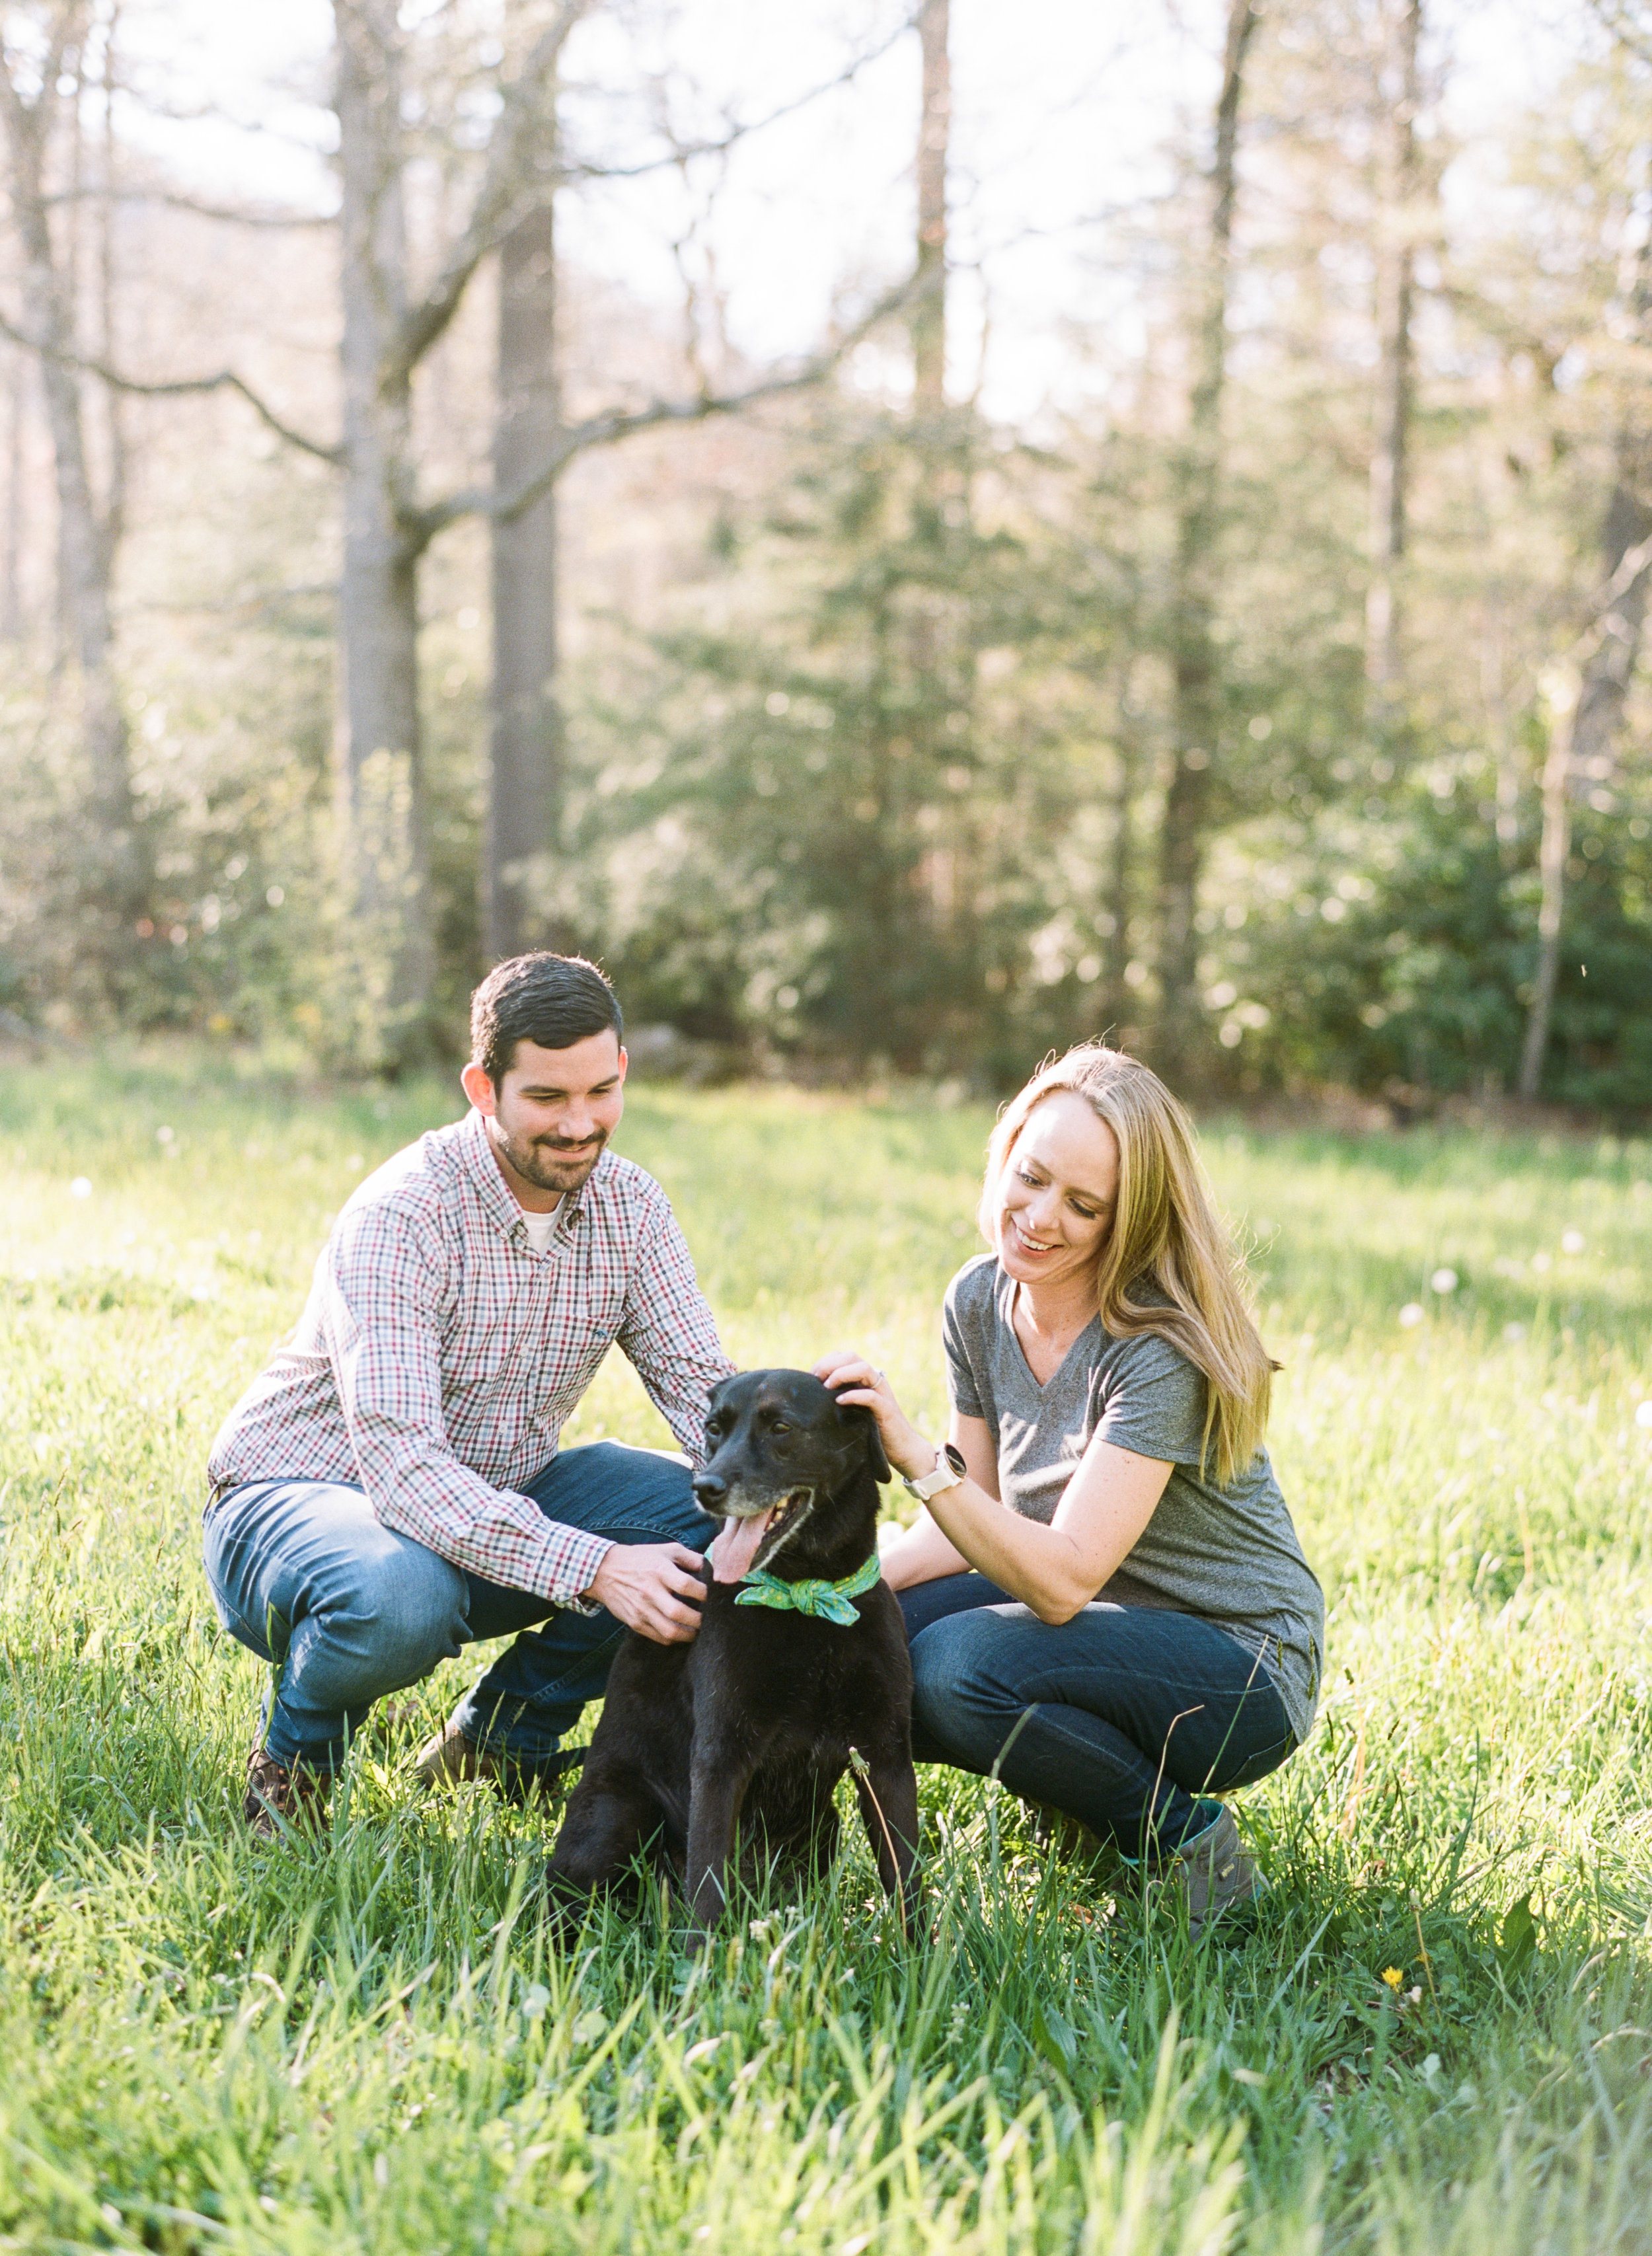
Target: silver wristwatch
[949, 1470]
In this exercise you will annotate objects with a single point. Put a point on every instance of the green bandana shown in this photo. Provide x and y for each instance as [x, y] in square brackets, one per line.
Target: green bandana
[826, 1601]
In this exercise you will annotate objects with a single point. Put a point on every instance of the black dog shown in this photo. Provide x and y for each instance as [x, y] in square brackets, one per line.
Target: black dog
[751, 1726]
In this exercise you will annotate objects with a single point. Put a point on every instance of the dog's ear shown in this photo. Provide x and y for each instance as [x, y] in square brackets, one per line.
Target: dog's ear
[860, 1417]
[717, 1395]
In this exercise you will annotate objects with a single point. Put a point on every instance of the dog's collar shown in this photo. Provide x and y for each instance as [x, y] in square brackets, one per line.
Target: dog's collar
[826, 1601]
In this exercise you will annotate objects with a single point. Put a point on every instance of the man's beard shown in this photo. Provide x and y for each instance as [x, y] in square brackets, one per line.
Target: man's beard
[537, 1162]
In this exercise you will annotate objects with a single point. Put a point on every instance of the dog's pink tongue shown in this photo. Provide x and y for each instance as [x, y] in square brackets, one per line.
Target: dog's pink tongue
[737, 1547]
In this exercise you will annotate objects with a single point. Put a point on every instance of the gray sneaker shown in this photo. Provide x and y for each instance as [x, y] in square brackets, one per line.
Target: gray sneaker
[1212, 1874]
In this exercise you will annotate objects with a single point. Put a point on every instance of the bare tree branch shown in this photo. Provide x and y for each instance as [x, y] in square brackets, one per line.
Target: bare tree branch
[1633, 562]
[225, 380]
[249, 609]
[508, 191]
[685, 151]
[1505, 327]
[422, 526]
[229, 214]
[508, 188]
[1629, 22]
[214, 113]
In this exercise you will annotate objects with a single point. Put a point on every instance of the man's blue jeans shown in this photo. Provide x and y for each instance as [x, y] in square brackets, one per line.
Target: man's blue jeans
[304, 1576]
[1126, 1717]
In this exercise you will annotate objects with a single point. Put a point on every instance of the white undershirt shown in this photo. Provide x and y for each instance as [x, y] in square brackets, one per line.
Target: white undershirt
[541, 1228]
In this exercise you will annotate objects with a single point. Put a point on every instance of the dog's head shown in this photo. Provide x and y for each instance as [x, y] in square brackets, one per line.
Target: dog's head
[799, 1472]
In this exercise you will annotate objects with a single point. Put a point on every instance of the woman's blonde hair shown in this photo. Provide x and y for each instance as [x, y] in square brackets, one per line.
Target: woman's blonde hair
[1167, 1240]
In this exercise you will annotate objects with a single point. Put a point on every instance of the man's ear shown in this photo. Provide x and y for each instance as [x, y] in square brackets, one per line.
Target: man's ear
[480, 1090]
[857, 1415]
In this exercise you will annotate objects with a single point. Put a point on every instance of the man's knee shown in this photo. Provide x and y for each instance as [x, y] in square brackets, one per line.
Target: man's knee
[404, 1607]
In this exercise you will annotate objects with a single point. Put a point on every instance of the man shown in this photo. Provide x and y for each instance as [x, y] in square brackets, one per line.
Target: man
[391, 1487]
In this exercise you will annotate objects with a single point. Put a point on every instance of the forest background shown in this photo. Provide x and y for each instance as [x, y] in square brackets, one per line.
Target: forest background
[912, 544]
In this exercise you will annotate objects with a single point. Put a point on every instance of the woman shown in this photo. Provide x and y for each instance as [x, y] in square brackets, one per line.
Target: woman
[1106, 1600]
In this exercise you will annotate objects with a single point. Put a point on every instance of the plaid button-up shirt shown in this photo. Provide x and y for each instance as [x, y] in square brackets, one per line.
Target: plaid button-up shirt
[438, 1355]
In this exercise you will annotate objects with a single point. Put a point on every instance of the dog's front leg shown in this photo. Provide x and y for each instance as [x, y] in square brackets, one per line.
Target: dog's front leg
[716, 1793]
[886, 1787]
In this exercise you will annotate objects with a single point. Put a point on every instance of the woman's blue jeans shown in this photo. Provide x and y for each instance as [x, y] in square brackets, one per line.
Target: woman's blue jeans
[1125, 1717]
[345, 1611]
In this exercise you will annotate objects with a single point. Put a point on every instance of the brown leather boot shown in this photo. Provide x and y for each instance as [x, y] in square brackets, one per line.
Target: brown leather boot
[278, 1800]
[452, 1759]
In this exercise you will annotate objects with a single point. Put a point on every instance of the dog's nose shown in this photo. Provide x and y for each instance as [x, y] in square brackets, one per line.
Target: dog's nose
[709, 1489]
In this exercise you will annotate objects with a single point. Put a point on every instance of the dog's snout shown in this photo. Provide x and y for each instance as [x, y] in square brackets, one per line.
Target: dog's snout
[709, 1489]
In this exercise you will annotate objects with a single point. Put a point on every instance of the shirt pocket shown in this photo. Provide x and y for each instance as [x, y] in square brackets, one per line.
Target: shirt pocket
[573, 1323]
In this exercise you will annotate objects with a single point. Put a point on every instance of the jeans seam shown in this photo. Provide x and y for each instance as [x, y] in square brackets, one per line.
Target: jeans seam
[1024, 1698]
[1075, 1741]
[1287, 1741]
[1071, 1738]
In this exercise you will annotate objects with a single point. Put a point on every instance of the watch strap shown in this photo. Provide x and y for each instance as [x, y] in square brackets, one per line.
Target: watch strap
[948, 1472]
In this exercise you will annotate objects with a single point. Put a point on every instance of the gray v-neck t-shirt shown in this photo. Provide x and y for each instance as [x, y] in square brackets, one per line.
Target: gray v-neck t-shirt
[1225, 1551]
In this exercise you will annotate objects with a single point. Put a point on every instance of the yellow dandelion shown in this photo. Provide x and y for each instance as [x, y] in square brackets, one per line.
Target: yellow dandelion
[1393, 1975]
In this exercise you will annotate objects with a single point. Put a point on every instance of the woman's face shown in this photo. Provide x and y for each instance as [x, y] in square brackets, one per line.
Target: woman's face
[1055, 1197]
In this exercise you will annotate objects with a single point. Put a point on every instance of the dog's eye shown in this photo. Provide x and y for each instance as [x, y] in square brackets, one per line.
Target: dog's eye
[779, 1426]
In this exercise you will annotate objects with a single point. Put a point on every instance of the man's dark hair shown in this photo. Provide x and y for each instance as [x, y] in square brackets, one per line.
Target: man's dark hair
[552, 1000]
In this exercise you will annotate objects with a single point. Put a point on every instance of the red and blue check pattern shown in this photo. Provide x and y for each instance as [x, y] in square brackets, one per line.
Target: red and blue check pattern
[438, 1355]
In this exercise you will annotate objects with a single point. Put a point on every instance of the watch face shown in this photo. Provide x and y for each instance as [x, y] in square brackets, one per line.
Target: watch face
[955, 1458]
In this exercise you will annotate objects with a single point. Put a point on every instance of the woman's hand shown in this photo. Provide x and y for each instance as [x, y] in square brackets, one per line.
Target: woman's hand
[860, 1384]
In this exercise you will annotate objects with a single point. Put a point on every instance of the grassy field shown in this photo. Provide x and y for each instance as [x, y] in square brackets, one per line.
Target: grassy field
[367, 2044]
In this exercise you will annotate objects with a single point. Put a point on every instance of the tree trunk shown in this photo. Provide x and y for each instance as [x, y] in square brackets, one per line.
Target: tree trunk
[1582, 745]
[389, 950]
[525, 763]
[1113, 995]
[1195, 663]
[930, 315]
[1396, 261]
[13, 622]
[112, 861]
[1494, 654]
[1583, 749]
[928, 946]
[1551, 865]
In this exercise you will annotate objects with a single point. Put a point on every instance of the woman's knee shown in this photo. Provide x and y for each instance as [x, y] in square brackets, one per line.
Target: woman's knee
[958, 1694]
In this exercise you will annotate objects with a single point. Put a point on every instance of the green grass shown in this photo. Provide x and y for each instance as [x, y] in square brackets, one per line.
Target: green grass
[370, 2044]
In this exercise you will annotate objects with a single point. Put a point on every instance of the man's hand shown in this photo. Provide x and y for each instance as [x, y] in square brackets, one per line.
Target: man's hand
[646, 1585]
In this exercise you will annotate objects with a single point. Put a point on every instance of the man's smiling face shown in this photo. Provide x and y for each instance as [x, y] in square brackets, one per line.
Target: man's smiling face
[552, 1114]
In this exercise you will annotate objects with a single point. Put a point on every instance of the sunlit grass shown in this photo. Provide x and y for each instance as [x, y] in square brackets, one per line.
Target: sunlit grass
[370, 2045]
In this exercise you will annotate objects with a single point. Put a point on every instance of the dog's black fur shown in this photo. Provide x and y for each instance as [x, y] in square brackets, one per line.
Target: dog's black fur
[749, 1728]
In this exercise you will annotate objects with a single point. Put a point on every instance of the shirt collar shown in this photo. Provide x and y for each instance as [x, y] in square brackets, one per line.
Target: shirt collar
[499, 1199]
